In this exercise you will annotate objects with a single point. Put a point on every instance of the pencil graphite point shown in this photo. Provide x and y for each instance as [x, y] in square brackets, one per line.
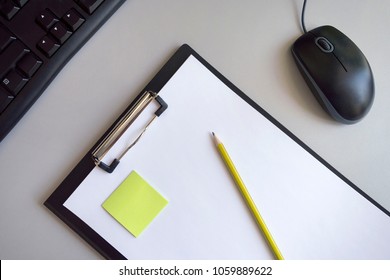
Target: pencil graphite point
[215, 138]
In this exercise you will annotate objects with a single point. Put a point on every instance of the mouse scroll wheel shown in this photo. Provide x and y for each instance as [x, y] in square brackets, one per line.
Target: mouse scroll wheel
[324, 44]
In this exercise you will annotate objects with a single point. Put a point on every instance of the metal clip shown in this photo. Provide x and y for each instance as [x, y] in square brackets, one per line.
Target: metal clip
[122, 125]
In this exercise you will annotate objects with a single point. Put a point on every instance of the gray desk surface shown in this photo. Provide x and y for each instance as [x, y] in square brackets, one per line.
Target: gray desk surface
[248, 41]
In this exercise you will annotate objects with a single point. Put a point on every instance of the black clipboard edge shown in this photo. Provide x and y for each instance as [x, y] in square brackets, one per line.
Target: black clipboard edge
[55, 202]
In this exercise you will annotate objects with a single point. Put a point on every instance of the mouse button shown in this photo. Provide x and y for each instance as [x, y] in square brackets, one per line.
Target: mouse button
[306, 50]
[350, 56]
[303, 43]
[353, 61]
[345, 49]
[324, 44]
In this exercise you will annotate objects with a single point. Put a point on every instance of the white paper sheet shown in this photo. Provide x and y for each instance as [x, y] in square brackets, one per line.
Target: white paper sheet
[311, 212]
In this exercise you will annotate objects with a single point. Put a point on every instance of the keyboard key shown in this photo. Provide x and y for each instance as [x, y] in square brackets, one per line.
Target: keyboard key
[46, 19]
[5, 38]
[8, 9]
[47, 46]
[5, 99]
[90, 5]
[29, 64]
[73, 19]
[21, 3]
[14, 82]
[11, 55]
[60, 32]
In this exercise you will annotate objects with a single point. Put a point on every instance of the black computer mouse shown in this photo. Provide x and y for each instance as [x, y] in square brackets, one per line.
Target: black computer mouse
[337, 73]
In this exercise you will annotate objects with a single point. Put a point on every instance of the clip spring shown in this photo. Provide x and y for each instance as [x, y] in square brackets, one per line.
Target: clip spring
[123, 124]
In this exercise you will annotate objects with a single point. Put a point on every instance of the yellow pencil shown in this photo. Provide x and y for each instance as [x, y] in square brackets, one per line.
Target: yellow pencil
[248, 199]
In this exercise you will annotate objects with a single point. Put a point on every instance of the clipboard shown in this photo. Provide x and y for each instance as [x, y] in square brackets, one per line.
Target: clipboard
[150, 94]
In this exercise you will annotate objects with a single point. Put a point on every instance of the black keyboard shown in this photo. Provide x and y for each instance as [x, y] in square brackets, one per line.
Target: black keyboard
[37, 38]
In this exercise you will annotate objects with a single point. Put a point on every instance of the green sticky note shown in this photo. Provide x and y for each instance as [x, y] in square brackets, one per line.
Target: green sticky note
[134, 204]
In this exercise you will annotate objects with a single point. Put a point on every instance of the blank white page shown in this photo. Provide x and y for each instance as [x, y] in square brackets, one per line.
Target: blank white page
[310, 211]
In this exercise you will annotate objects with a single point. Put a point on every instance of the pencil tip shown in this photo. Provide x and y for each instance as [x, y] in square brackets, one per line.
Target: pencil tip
[215, 139]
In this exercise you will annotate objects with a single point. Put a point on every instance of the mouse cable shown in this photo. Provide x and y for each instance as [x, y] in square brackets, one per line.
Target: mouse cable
[303, 17]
